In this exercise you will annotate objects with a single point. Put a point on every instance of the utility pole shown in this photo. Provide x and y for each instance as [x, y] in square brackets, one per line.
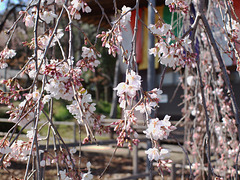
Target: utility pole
[150, 72]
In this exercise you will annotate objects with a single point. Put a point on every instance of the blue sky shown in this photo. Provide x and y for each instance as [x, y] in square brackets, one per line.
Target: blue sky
[3, 5]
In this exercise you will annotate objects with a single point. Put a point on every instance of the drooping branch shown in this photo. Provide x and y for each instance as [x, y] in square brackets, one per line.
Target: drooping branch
[223, 68]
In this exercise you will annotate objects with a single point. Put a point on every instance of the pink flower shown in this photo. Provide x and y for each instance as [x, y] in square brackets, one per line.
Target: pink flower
[28, 21]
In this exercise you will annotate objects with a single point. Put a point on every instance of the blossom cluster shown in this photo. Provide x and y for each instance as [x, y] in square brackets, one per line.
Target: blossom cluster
[233, 29]
[129, 88]
[112, 38]
[46, 16]
[23, 115]
[177, 6]
[60, 85]
[18, 151]
[76, 6]
[152, 98]
[89, 61]
[159, 129]
[4, 55]
[170, 53]
[83, 109]
[156, 154]
[62, 78]
[43, 40]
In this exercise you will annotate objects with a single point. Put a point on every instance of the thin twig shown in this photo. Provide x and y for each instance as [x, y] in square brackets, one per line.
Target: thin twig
[108, 163]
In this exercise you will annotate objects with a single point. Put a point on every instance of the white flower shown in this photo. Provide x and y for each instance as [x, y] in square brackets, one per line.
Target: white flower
[134, 79]
[169, 59]
[30, 134]
[3, 65]
[121, 88]
[122, 102]
[87, 9]
[156, 93]
[9, 53]
[153, 154]
[159, 129]
[134, 84]
[190, 80]
[163, 50]
[29, 21]
[42, 163]
[153, 51]
[73, 151]
[95, 63]
[86, 98]
[165, 28]
[77, 5]
[32, 73]
[187, 42]
[77, 15]
[48, 16]
[88, 53]
[126, 17]
[35, 95]
[142, 108]
[46, 99]
[87, 176]
[160, 31]
[164, 153]
[59, 34]
[132, 90]
[88, 165]
[5, 150]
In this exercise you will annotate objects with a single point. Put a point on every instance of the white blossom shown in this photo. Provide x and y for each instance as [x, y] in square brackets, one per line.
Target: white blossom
[191, 80]
[77, 4]
[127, 17]
[48, 16]
[42, 163]
[29, 21]
[153, 154]
[5, 150]
[46, 99]
[9, 53]
[159, 129]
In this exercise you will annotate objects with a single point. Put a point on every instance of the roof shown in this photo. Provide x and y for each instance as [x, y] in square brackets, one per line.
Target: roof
[109, 8]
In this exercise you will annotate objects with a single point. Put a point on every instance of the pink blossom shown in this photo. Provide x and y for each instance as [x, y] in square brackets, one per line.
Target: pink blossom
[28, 21]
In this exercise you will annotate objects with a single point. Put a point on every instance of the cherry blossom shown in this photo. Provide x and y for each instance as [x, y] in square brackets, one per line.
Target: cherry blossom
[159, 129]
[28, 21]
[153, 154]
[48, 16]
[63, 175]
[88, 175]
[4, 148]
[126, 13]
